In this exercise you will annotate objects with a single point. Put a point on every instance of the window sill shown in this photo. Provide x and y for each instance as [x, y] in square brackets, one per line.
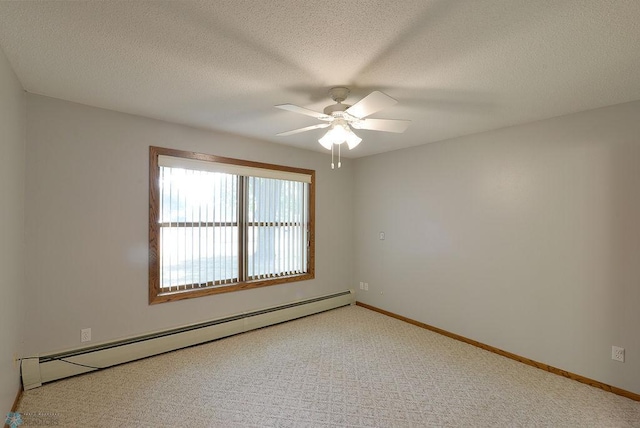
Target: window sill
[172, 296]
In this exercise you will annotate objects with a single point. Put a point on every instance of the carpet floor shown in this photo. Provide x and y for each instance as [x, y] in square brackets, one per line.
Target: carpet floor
[349, 367]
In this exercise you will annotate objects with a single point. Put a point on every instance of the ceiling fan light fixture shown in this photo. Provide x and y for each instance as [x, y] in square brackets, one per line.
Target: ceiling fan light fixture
[339, 133]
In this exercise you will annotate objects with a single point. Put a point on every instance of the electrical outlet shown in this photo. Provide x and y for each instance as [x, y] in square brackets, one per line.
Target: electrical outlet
[85, 335]
[361, 285]
[381, 236]
[617, 353]
[366, 286]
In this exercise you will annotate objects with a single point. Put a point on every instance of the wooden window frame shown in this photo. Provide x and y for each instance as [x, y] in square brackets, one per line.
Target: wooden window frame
[156, 294]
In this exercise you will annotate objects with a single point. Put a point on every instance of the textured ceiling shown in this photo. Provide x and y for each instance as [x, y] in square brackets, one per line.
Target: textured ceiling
[456, 67]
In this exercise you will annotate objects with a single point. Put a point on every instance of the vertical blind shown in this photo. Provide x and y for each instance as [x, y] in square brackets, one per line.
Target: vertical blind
[276, 225]
[222, 224]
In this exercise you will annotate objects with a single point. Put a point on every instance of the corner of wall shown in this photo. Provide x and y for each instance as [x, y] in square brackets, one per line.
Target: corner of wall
[12, 238]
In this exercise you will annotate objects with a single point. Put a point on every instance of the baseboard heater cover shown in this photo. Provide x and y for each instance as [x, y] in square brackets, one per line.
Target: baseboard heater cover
[46, 368]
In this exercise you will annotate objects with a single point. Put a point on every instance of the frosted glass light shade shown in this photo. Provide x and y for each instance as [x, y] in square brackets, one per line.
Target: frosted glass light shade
[338, 134]
[353, 140]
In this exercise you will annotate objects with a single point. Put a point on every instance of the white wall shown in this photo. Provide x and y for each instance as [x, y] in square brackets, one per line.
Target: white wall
[12, 188]
[526, 239]
[87, 224]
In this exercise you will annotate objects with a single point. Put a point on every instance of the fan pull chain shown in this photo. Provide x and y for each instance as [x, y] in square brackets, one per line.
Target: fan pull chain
[332, 164]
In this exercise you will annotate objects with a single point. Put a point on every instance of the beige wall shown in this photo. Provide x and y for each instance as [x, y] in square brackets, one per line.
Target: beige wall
[12, 188]
[526, 239]
[87, 224]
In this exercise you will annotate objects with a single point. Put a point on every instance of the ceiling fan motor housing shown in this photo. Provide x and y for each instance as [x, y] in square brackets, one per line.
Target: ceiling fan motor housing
[338, 94]
[335, 107]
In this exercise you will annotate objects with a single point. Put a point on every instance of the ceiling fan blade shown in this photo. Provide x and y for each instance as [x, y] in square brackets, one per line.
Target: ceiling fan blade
[370, 104]
[308, 128]
[305, 111]
[387, 125]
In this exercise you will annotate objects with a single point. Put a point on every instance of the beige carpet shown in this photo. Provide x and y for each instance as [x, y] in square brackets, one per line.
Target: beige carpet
[349, 367]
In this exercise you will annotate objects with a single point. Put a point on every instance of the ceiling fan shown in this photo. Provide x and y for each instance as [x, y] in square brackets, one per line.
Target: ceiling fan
[340, 118]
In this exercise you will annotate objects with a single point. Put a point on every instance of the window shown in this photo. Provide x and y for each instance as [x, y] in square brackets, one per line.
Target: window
[218, 224]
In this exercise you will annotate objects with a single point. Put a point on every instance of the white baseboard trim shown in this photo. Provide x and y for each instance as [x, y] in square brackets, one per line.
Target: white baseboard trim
[47, 368]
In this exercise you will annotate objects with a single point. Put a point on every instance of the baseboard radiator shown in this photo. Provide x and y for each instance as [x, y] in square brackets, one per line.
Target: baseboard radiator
[46, 368]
